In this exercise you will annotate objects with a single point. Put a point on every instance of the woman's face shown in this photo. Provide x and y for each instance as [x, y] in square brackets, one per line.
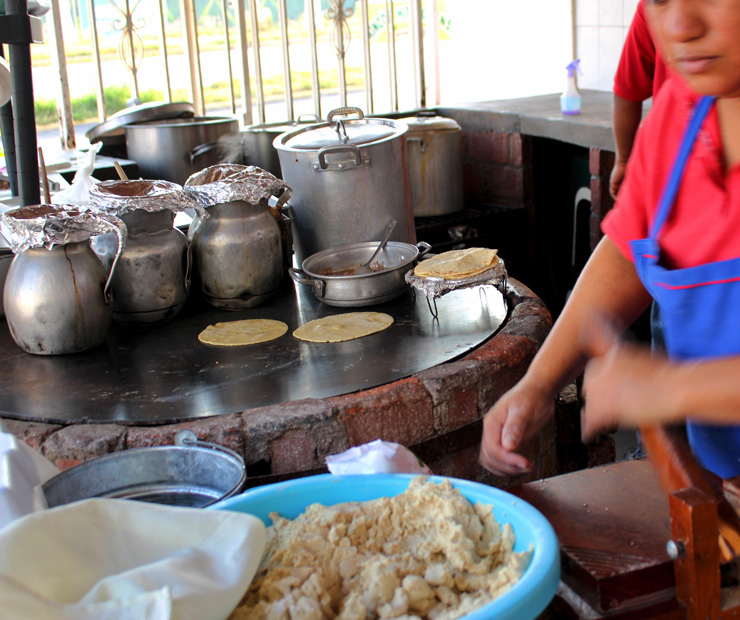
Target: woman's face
[701, 40]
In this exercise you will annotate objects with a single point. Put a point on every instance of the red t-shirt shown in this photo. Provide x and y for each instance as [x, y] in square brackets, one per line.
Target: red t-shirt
[704, 225]
[641, 71]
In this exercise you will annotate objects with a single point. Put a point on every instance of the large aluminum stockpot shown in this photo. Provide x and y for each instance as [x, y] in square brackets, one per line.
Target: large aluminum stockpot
[349, 178]
[435, 164]
[173, 149]
[257, 142]
[332, 273]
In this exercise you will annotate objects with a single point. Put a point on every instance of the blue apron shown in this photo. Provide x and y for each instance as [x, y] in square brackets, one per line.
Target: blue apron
[700, 308]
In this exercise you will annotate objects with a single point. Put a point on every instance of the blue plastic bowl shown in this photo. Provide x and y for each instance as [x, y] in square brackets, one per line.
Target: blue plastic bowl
[524, 601]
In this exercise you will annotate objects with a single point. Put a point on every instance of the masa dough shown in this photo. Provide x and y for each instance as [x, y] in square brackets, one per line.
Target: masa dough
[427, 553]
[237, 333]
[341, 327]
[457, 264]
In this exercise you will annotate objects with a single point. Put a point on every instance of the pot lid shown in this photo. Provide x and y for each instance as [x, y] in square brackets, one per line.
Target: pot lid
[342, 131]
[114, 126]
[427, 121]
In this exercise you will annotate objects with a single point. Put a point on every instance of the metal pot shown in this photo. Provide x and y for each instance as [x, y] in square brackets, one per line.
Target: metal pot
[257, 142]
[435, 164]
[192, 473]
[173, 149]
[152, 279]
[319, 271]
[58, 301]
[349, 178]
[238, 254]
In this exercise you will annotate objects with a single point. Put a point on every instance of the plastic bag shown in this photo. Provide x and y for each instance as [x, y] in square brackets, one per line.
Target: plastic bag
[376, 457]
[78, 193]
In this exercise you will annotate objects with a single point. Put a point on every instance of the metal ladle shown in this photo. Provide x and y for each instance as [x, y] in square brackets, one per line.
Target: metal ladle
[365, 267]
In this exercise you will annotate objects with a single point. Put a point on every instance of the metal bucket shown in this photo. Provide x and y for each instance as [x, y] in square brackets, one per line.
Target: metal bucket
[191, 473]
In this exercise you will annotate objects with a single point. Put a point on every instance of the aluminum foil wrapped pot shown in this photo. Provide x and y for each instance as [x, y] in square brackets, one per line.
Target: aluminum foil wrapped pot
[57, 296]
[152, 280]
[238, 250]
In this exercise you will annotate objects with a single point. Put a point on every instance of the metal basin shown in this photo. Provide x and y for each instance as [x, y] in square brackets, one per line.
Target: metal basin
[330, 272]
[194, 474]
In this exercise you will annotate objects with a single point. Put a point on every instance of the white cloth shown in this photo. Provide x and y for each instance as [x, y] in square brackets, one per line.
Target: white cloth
[116, 559]
[22, 472]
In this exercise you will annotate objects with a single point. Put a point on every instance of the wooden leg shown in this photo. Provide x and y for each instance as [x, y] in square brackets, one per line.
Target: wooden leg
[694, 526]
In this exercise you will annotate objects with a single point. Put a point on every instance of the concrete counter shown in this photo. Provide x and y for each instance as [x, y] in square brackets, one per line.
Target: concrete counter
[541, 117]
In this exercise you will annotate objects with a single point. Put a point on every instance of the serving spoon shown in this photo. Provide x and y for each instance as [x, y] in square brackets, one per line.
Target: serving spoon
[365, 267]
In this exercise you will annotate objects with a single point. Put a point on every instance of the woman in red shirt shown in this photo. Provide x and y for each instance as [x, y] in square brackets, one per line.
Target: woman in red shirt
[672, 235]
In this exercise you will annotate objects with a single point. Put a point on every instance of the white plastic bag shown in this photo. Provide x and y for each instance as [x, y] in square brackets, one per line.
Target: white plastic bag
[78, 193]
[376, 457]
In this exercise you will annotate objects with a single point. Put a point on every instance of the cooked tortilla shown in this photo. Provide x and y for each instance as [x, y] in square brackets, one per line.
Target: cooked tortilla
[240, 333]
[458, 264]
[343, 327]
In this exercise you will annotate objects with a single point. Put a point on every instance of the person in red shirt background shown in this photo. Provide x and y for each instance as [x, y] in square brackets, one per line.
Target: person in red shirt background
[640, 74]
[674, 235]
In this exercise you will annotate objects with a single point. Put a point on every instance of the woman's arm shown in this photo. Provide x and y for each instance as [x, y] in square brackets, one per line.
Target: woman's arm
[628, 385]
[608, 287]
[626, 117]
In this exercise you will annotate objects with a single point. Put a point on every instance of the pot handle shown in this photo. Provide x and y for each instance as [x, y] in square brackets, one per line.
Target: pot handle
[344, 112]
[202, 149]
[424, 247]
[117, 226]
[299, 276]
[422, 144]
[338, 148]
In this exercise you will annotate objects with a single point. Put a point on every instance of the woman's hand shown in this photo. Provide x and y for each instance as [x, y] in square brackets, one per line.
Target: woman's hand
[515, 417]
[624, 384]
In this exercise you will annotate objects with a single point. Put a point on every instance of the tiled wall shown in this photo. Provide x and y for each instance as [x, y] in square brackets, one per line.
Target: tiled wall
[601, 27]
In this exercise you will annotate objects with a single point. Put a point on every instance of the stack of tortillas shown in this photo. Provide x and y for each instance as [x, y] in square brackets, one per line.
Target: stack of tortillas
[458, 264]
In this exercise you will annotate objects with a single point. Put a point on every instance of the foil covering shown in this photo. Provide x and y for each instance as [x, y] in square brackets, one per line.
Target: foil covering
[120, 197]
[47, 226]
[224, 183]
[433, 288]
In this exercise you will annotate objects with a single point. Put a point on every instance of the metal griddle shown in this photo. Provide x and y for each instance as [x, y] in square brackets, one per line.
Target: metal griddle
[161, 373]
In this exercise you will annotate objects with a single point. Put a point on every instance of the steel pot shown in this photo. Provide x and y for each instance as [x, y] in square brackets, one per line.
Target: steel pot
[324, 272]
[435, 164]
[257, 142]
[173, 149]
[349, 178]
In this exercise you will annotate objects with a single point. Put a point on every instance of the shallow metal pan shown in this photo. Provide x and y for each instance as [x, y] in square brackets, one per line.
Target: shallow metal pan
[329, 272]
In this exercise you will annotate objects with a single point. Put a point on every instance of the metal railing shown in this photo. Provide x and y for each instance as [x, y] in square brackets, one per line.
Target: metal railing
[346, 30]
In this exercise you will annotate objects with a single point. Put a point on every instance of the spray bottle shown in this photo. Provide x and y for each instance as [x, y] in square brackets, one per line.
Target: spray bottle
[570, 100]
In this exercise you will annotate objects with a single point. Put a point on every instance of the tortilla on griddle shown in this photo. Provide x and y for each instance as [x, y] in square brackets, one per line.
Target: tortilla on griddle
[343, 327]
[240, 333]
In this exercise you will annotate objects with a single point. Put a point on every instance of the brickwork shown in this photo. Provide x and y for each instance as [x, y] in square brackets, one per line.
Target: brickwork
[298, 435]
[497, 167]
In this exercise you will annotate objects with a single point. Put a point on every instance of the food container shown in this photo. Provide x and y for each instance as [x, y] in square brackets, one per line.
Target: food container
[6, 257]
[349, 178]
[524, 601]
[332, 273]
[173, 149]
[57, 294]
[435, 164]
[112, 134]
[257, 148]
[152, 278]
[191, 473]
[238, 250]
